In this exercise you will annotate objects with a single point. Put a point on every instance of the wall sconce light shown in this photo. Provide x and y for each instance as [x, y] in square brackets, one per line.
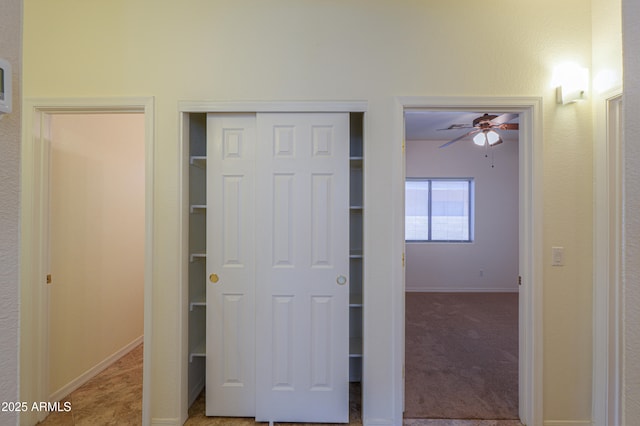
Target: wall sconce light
[572, 82]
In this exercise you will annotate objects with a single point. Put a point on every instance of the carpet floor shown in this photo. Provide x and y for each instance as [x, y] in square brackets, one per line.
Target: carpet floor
[461, 356]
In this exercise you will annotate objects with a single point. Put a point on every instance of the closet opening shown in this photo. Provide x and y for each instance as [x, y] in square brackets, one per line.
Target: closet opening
[197, 163]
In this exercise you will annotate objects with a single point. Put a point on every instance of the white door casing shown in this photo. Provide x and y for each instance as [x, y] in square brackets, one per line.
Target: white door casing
[279, 250]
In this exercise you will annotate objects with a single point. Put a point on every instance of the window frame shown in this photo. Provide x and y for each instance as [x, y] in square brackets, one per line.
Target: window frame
[471, 200]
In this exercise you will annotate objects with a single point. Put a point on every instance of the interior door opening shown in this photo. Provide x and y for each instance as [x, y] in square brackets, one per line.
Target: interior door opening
[96, 205]
[462, 242]
[35, 218]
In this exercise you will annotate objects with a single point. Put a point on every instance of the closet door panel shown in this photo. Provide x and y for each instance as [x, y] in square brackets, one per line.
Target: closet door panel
[302, 239]
[230, 268]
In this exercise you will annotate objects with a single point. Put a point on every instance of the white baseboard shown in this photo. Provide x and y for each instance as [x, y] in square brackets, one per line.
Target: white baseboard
[94, 371]
[568, 423]
[459, 290]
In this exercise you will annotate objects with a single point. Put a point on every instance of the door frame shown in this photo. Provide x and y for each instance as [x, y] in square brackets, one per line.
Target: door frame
[34, 254]
[608, 256]
[184, 109]
[530, 240]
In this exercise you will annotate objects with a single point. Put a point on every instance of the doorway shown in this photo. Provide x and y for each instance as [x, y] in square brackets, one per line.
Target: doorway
[34, 355]
[96, 245]
[461, 276]
[530, 239]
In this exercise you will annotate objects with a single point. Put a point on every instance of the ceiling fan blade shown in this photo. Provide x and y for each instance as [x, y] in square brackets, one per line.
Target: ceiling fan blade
[501, 119]
[457, 127]
[458, 138]
[509, 126]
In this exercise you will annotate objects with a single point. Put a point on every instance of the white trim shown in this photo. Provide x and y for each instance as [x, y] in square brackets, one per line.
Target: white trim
[607, 256]
[568, 423]
[268, 106]
[33, 252]
[531, 269]
[94, 371]
[184, 401]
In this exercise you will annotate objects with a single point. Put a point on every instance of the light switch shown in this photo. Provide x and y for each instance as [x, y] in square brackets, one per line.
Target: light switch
[557, 256]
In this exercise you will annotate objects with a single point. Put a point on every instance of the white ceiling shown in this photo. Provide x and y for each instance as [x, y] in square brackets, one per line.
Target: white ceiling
[430, 125]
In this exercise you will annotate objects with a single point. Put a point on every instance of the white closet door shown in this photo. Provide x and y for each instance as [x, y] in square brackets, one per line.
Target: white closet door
[230, 372]
[302, 240]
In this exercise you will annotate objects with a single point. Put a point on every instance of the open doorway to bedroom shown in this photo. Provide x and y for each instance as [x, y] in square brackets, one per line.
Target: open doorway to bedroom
[462, 263]
[87, 171]
[97, 259]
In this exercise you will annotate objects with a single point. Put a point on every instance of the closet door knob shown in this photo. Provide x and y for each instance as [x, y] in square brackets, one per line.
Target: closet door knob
[214, 278]
[342, 280]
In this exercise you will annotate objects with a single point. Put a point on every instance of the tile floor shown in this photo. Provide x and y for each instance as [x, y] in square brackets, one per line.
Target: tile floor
[114, 397]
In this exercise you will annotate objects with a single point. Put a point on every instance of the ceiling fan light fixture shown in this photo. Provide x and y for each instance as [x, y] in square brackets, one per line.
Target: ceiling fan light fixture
[493, 138]
[480, 139]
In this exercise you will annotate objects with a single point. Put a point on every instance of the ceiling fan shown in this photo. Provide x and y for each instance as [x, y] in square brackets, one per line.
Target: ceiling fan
[484, 128]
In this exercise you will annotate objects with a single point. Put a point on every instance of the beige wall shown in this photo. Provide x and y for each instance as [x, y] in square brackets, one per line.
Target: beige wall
[97, 241]
[11, 50]
[363, 50]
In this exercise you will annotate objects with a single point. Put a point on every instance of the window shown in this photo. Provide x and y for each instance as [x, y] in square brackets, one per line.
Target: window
[438, 210]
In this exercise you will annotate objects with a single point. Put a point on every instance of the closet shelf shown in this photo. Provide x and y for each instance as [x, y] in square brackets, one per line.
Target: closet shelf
[199, 351]
[198, 208]
[197, 256]
[355, 347]
[198, 161]
[355, 300]
[198, 301]
[355, 254]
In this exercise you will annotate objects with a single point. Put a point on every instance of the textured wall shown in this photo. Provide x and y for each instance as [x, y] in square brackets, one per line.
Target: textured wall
[10, 49]
[631, 268]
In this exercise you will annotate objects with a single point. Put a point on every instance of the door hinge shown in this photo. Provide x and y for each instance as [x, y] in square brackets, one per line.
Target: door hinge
[48, 278]
[519, 280]
[403, 147]
[403, 260]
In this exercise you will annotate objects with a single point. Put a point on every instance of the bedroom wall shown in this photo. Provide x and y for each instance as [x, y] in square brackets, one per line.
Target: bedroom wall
[11, 50]
[331, 50]
[490, 262]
